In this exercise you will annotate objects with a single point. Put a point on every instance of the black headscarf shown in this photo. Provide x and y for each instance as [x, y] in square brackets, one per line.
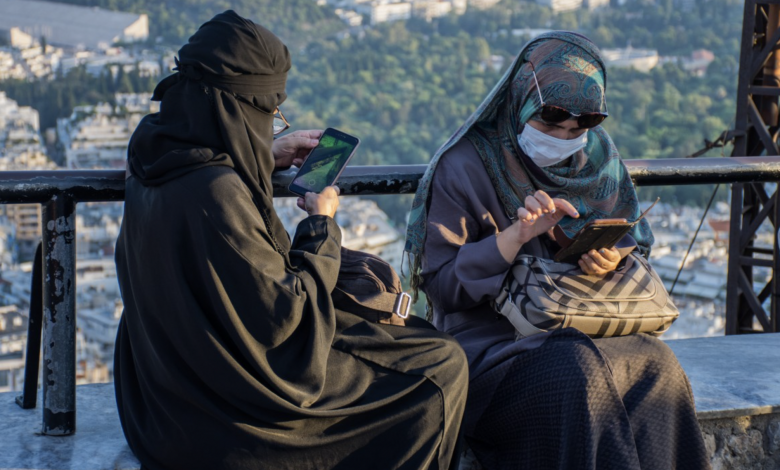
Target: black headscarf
[217, 110]
[228, 355]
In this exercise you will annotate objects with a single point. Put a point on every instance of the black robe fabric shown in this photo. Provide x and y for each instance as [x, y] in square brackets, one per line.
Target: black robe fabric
[230, 353]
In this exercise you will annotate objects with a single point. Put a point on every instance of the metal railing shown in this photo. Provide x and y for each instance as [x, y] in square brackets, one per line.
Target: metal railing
[53, 302]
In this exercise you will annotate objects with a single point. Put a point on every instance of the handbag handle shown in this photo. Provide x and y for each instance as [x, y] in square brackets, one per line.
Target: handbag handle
[511, 311]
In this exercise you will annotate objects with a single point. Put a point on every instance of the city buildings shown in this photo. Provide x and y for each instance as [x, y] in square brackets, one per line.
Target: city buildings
[21, 149]
[364, 226]
[561, 5]
[384, 12]
[13, 340]
[482, 4]
[640, 59]
[71, 26]
[97, 136]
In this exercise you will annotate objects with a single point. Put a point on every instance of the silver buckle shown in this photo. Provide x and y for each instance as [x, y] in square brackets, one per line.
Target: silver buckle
[402, 305]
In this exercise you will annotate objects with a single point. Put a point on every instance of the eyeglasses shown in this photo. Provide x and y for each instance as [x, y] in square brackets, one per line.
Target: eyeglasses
[555, 114]
[280, 123]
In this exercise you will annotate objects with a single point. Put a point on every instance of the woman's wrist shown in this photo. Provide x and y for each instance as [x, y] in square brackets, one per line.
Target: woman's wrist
[509, 243]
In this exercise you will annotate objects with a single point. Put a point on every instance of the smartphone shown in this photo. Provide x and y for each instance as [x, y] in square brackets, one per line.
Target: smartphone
[595, 235]
[325, 162]
[604, 233]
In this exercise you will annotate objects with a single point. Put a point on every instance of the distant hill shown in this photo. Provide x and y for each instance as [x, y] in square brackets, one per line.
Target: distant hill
[296, 21]
[404, 87]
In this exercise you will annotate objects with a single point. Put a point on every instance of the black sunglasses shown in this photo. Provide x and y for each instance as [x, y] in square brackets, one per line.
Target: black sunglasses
[555, 114]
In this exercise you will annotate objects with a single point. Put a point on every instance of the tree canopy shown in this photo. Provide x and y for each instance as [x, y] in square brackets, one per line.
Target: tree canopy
[405, 87]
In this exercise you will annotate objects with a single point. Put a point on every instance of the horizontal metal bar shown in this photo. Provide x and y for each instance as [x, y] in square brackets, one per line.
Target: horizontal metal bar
[764, 90]
[17, 187]
[759, 250]
[748, 261]
[109, 185]
[676, 171]
[360, 180]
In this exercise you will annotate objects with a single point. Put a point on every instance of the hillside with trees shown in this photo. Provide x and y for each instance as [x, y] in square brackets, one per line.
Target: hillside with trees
[404, 87]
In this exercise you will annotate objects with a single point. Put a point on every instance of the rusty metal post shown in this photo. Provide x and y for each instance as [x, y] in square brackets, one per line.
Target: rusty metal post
[756, 124]
[59, 311]
[32, 358]
[774, 316]
[771, 70]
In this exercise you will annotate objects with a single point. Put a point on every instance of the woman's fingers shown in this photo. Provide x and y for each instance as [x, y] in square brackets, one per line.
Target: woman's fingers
[610, 254]
[533, 206]
[589, 266]
[545, 201]
[331, 191]
[600, 260]
[523, 215]
[566, 207]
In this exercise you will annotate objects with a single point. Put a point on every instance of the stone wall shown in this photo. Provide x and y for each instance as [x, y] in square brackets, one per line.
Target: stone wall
[742, 443]
[745, 442]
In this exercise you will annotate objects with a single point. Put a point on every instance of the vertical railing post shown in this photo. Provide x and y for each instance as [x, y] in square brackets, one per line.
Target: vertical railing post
[59, 308]
[774, 319]
[32, 357]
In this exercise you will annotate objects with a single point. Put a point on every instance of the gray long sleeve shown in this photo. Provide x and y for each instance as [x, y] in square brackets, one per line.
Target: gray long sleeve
[463, 266]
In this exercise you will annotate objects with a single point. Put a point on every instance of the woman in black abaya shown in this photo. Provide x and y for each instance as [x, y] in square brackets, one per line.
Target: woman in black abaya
[230, 354]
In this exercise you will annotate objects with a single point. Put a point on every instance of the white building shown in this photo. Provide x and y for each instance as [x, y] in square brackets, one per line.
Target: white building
[21, 149]
[593, 4]
[71, 26]
[350, 17]
[561, 5]
[11, 114]
[385, 12]
[97, 228]
[528, 33]
[558, 6]
[642, 60]
[27, 58]
[13, 339]
[97, 136]
[9, 68]
[115, 58]
[382, 11]
[482, 4]
[430, 9]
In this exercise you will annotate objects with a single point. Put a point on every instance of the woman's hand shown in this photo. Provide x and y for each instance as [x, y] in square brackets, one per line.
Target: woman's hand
[599, 263]
[324, 203]
[540, 214]
[293, 148]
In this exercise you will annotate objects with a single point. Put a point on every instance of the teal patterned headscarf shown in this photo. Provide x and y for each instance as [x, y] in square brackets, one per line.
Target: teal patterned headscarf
[595, 181]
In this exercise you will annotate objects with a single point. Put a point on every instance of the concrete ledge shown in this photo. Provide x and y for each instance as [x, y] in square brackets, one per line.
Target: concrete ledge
[97, 445]
[735, 380]
[732, 376]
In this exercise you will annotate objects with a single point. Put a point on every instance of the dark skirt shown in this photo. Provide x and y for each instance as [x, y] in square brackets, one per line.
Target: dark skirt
[578, 403]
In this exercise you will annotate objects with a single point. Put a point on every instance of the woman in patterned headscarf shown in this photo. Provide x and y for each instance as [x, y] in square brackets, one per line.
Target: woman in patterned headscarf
[531, 157]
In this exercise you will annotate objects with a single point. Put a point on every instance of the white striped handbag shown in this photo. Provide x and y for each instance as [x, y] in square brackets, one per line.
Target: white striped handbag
[542, 295]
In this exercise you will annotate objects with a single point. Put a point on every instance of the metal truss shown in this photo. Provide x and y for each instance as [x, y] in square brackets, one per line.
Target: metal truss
[755, 134]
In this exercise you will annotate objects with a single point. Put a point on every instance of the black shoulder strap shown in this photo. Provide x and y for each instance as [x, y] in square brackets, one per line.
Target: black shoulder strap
[375, 306]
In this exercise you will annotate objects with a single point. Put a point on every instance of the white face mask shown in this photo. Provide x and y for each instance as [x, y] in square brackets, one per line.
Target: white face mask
[546, 150]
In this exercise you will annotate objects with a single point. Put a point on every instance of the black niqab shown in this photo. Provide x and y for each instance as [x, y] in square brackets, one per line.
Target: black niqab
[217, 110]
[230, 353]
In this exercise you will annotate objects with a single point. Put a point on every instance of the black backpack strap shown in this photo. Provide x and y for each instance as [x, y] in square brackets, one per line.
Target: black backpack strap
[375, 306]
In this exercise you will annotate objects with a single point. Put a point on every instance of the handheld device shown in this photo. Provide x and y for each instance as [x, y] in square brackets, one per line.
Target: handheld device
[325, 163]
[597, 234]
